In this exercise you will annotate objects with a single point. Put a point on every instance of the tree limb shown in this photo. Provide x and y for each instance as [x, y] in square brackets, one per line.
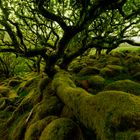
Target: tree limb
[48, 15]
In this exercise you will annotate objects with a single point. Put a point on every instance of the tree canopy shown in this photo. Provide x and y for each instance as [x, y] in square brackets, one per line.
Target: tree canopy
[58, 31]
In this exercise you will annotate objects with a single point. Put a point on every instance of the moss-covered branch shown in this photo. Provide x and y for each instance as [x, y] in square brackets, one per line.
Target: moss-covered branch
[111, 114]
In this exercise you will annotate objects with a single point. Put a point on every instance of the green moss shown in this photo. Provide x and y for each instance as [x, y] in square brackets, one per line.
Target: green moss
[132, 59]
[48, 106]
[62, 129]
[29, 100]
[107, 113]
[14, 82]
[24, 106]
[116, 67]
[28, 85]
[62, 77]
[4, 91]
[76, 66]
[114, 61]
[34, 131]
[88, 71]
[4, 102]
[125, 85]
[43, 83]
[1, 95]
[116, 112]
[23, 93]
[112, 70]
[67, 112]
[31, 93]
[3, 131]
[4, 115]
[136, 76]
[128, 135]
[96, 81]
[12, 94]
[106, 72]
[134, 68]
[19, 131]
[18, 127]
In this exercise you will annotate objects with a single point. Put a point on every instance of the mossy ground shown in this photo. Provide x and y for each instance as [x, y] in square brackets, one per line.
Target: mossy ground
[98, 101]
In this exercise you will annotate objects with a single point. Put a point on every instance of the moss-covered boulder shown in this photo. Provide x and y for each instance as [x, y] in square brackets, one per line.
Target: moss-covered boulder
[132, 59]
[112, 70]
[106, 72]
[48, 106]
[117, 112]
[89, 71]
[34, 131]
[125, 85]
[76, 67]
[114, 61]
[62, 129]
[136, 76]
[108, 113]
[96, 82]
[134, 68]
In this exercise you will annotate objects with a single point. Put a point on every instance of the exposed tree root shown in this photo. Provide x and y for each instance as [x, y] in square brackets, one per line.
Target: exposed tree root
[107, 113]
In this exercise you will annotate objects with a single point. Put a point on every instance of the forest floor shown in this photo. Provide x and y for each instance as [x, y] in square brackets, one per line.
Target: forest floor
[97, 99]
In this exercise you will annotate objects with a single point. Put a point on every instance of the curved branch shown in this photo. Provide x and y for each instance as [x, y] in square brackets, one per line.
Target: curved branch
[19, 34]
[44, 12]
[11, 34]
[29, 53]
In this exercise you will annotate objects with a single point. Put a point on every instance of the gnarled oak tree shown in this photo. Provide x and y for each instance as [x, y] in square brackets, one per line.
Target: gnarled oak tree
[59, 31]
